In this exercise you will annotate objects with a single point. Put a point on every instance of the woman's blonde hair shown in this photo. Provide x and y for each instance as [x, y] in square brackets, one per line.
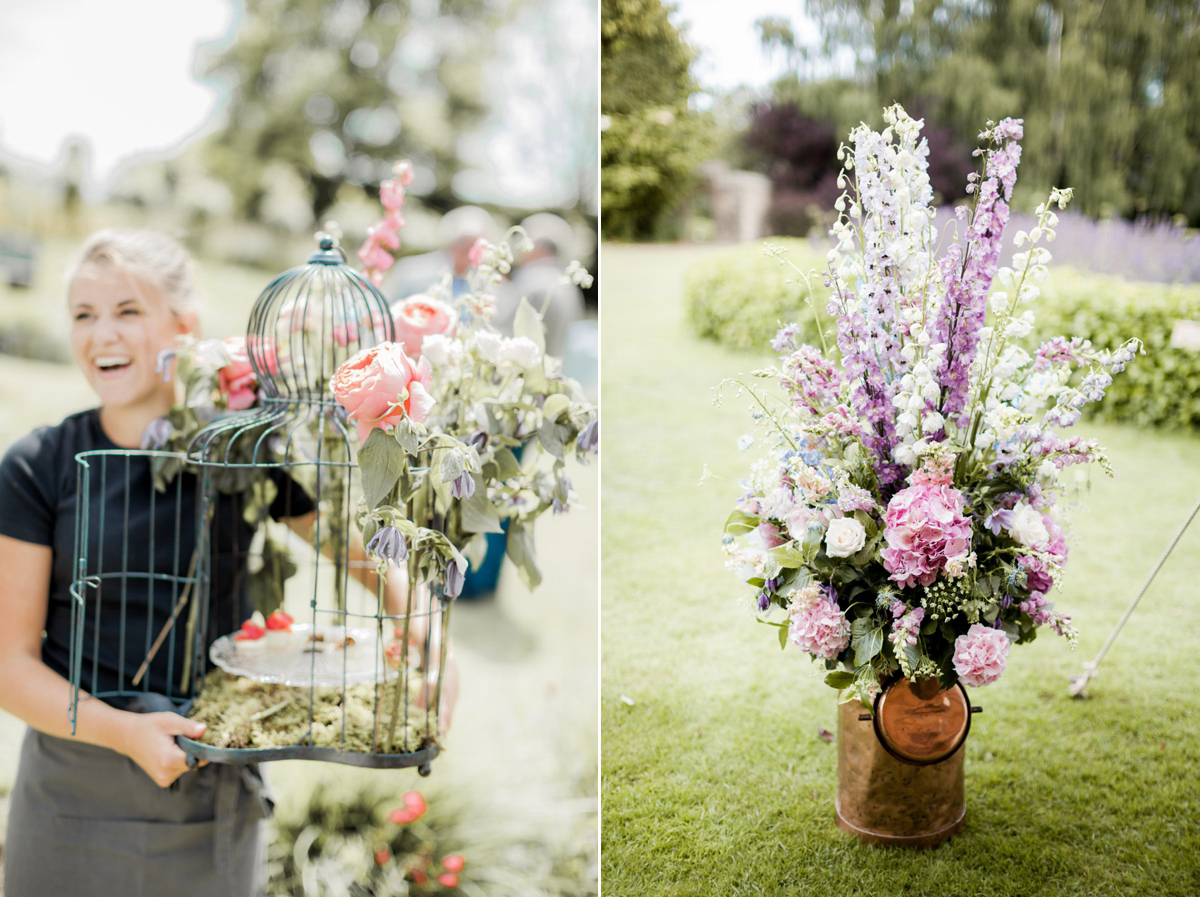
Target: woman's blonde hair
[151, 255]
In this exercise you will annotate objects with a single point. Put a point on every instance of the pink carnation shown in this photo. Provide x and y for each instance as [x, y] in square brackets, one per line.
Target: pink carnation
[820, 629]
[980, 655]
[924, 527]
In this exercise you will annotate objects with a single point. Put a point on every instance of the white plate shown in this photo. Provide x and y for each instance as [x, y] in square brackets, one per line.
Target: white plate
[290, 661]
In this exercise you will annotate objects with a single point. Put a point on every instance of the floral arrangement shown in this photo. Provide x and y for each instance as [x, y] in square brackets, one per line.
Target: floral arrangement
[463, 431]
[904, 518]
[443, 415]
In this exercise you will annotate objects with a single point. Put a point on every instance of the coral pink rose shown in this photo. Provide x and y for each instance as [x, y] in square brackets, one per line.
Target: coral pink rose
[236, 380]
[980, 655]
[381, 386]
[420, 316]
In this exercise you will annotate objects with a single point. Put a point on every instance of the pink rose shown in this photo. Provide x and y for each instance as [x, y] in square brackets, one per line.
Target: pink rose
[420, 316]
[980, 655]
[236, 380]
[380, 386]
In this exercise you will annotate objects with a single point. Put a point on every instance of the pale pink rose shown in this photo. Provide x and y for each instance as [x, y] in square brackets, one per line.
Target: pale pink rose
[236, 380]
[819, 629]
[380, 386]
[980, 655]
[420, 316]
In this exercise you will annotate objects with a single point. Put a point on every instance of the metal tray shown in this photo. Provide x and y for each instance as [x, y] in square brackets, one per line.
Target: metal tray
[420, 758]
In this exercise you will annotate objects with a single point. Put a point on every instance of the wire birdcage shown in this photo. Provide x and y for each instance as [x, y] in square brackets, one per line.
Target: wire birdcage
[340, 675]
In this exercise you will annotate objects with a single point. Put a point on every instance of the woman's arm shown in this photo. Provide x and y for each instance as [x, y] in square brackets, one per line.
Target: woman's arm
[36, 694]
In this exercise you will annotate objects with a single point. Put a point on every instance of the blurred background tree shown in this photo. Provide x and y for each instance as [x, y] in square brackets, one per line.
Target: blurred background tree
[323, 95]
[1107, 90]
[651, 140]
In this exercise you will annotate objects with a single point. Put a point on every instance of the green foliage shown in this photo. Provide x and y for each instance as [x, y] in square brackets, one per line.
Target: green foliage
[324, 94]
[341, 842]
[1106, 89]
[739, 297]
[652, 142]
[1161, 387]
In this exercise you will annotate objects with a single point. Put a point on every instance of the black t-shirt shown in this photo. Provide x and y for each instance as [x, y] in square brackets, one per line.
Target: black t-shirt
[139, 553]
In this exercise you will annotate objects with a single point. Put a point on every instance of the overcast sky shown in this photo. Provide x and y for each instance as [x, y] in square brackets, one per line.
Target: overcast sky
[724, 32]
[118, 72]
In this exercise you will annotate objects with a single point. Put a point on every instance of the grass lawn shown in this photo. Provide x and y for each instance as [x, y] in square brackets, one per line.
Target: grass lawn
[713, 778]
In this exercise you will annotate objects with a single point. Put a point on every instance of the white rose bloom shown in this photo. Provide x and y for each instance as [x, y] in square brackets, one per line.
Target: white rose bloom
[1028, 527]
[522, 351]
[488, 345]
[845, 537]
[440, 349]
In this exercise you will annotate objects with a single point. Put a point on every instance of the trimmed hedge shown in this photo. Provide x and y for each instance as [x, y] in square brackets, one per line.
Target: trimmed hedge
[739, 298]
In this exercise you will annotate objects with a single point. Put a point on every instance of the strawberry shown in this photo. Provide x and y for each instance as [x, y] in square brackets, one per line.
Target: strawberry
[250, 632]
[280, 621]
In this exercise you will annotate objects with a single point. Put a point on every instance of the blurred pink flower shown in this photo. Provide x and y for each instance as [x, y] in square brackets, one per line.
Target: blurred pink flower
[420, 316]
[475, 254]
[236, 380]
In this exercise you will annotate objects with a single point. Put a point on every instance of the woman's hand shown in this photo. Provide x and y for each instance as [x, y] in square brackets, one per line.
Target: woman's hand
[149, 740]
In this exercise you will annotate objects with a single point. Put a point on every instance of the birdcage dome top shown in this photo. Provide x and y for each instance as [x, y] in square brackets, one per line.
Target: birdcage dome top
[311, 319]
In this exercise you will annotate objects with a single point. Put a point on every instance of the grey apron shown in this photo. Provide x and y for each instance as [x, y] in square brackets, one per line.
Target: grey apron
[85, 820]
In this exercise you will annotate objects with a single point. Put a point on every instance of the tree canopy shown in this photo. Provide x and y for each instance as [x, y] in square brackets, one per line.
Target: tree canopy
[650, 141]
[332, 93]
[1107, 90]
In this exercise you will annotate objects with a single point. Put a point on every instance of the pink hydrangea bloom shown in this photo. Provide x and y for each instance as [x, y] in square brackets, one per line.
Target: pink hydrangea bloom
[980, 655]
[819, 629]
[924, 527]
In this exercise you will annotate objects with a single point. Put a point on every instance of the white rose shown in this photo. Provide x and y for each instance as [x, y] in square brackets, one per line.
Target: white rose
[1028, 527]
[440, 349]
[522, 351]
[845, 537]
[488, 345]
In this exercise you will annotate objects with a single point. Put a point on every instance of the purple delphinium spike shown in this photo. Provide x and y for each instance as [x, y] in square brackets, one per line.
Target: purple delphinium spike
[967, 274]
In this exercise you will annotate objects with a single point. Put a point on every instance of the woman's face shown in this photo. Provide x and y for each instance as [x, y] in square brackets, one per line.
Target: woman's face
[119, 325]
